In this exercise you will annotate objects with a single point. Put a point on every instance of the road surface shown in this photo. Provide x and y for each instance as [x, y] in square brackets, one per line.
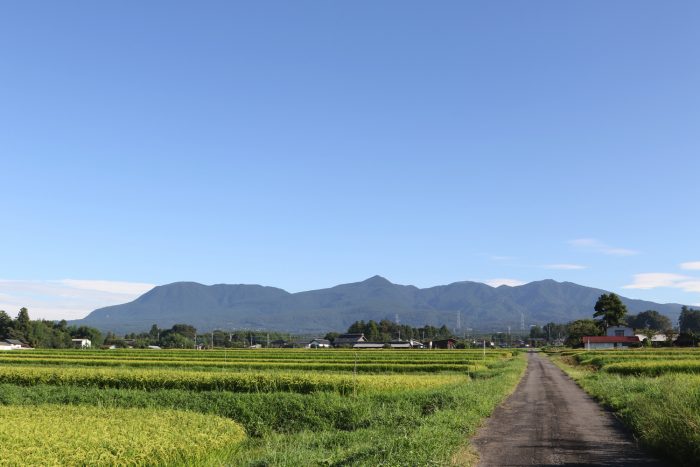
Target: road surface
[549, 421]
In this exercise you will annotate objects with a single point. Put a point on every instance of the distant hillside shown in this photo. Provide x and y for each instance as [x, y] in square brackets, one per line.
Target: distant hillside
[478, 305]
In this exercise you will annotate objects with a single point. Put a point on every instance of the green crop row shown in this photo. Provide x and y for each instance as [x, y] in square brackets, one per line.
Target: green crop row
[653, 368]
[259, 381]
[266, 354]
[363, 367]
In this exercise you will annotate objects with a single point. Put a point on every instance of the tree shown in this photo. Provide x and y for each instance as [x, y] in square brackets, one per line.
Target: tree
[177, 340]
[610, 309]
[331, 336]
[537, 332]
[689, 320]
[21, 324]
[185, 330]
[650, 319]
[154, 333]
[554, 331]
[579, 328]
[5, 324]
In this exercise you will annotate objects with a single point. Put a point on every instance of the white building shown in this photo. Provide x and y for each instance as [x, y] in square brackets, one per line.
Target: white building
[81, 343]
[620, 331]
[319, 344]
[655, 338]
[12, 344]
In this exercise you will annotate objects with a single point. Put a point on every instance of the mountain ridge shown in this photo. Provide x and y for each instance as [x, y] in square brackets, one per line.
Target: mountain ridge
[475, 305]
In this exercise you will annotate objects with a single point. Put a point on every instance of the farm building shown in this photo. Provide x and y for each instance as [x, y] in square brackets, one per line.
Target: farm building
[609, 342]
[368, 345]
[619, 331]
[4, 345]
[13, 344]
[442, 344]
[391, 345]
[656, 338]
[81, 343]
[348, 340]
[319, 344]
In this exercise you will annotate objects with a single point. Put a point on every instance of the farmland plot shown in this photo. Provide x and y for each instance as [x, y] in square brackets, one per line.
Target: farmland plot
[655, 392]
[284, 407]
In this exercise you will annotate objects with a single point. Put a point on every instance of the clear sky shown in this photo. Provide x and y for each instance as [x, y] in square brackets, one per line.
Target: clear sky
[309, 143]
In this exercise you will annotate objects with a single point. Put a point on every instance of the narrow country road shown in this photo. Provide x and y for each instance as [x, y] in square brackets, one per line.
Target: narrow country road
[549, 420]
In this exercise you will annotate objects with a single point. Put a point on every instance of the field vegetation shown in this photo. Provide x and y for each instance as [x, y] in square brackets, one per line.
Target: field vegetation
[72, 435]
[655, 392]
[282, 407]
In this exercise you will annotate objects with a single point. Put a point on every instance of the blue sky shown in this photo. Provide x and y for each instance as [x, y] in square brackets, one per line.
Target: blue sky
[306, 144]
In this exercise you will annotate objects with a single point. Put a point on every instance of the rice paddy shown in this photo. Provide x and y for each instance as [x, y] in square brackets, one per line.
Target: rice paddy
[265, 407]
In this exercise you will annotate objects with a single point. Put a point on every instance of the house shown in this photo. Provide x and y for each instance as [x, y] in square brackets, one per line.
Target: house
[368, 345]
[319, 344]
[442, 344]
[609, 342]
[13, 344]
[81, 343]
[416, 344]
[656, 338]
[5, 345]
[619, 331]
[349, 340]
[616, 337]
[387, 345]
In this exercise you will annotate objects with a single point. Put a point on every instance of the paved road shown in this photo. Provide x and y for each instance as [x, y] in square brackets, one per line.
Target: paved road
[549, 420]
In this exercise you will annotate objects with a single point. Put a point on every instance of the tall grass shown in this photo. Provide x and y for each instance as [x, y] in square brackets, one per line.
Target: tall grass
[663, 411]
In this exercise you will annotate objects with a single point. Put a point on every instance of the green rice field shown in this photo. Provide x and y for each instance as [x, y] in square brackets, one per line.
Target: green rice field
[655, 392]
[248, 407]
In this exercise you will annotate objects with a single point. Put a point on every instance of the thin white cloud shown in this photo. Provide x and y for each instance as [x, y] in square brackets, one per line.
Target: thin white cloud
[691, 265]
[653, 280]
[597, 246]
[508, 282]
[67, 298]
[565, 266]
[690, 285]
[116, 287]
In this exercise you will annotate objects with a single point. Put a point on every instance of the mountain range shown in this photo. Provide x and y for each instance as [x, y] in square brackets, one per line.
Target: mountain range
[461, 304]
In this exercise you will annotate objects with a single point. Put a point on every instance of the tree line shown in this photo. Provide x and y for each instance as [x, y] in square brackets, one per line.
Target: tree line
[185, 336]
[44, 333]
[610, 311]
[385, 331]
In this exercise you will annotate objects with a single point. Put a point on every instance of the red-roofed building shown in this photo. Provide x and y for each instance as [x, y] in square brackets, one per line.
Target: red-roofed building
[609, 342]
